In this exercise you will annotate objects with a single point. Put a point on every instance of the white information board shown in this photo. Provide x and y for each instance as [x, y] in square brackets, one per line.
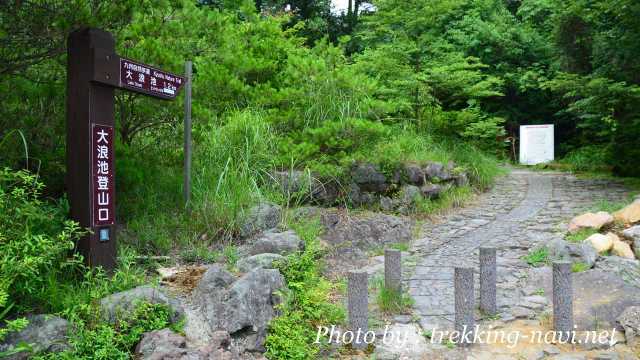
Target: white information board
[536, 144]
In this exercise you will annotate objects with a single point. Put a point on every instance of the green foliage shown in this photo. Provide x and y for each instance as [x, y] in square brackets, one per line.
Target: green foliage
[400, 246]
[610, 206]
[328, 149]
[306, 304]
[38, 272]
[588, 159]
[232, 161]
[35, 241]
[113, 341]
[579, 267]
[451, 198]
[537, 257]
[579, 236]
[390, 301]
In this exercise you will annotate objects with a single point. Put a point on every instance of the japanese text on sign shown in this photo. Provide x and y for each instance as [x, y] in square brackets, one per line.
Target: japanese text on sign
[145, 79]
[103, 171]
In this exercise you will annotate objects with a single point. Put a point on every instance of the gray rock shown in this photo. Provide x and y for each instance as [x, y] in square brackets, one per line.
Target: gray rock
[431, 191]
[215, 278]
[627, 269]
[558, 249]
[436, 171]
[125, 302]
[44, 333]
[369, 178]
[277, 243]
[533, 354]
[629, 320]
[261, 217]
[562, 250]
[243, 307]
[264, 261]
[354, 234]
[414, 174]
[599, 297]
[359, 197]
[165, 344]
[403, 319]
[522, 313]
[633, 234]
[408, 195]
[386, 203]
[588, 254]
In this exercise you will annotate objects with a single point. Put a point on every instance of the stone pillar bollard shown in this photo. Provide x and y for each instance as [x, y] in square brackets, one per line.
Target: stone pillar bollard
[464, 303]
[358, 306]
[562, 297]
[488, 280]
[393, 270]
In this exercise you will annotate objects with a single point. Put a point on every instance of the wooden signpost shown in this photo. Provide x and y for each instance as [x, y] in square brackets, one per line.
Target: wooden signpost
[94, 70]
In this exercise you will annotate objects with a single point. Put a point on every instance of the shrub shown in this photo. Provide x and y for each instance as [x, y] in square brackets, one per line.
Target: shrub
[35, 240]
[306, 304]
[588, 159]
[328, 149]
[232, 161]
[537, 257]
[580, 235]
[390, 301]
[113, 341]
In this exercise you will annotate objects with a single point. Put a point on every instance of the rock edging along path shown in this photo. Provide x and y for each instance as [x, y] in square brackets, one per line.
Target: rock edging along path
[524, 209]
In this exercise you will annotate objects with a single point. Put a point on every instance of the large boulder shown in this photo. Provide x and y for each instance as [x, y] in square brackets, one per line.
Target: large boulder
[243, 307]
[261, 217]
[599, 296]
[630, 214]
[590, 221]
[263, 261]
[353, 235]
[622, 249]
[167, 345]
[369, 178]
[277, 243]
[44, 333]
[602, 243]
[125, 302]
[627, 269]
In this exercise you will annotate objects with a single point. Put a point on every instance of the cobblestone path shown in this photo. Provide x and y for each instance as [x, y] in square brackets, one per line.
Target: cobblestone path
[522, 210]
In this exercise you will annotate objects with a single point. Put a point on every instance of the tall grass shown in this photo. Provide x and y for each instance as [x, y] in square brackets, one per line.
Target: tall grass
[483, 169]
[406, 144]
[588, 159]
[231, 163]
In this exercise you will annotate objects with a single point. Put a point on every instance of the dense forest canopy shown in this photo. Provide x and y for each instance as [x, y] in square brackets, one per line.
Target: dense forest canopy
[284, 87]
[470, 69]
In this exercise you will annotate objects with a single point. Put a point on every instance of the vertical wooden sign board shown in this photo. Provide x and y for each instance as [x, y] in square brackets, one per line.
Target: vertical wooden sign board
[93, 71]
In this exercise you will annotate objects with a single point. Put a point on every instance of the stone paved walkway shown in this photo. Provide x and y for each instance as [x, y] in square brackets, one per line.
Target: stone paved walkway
[523, 209]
